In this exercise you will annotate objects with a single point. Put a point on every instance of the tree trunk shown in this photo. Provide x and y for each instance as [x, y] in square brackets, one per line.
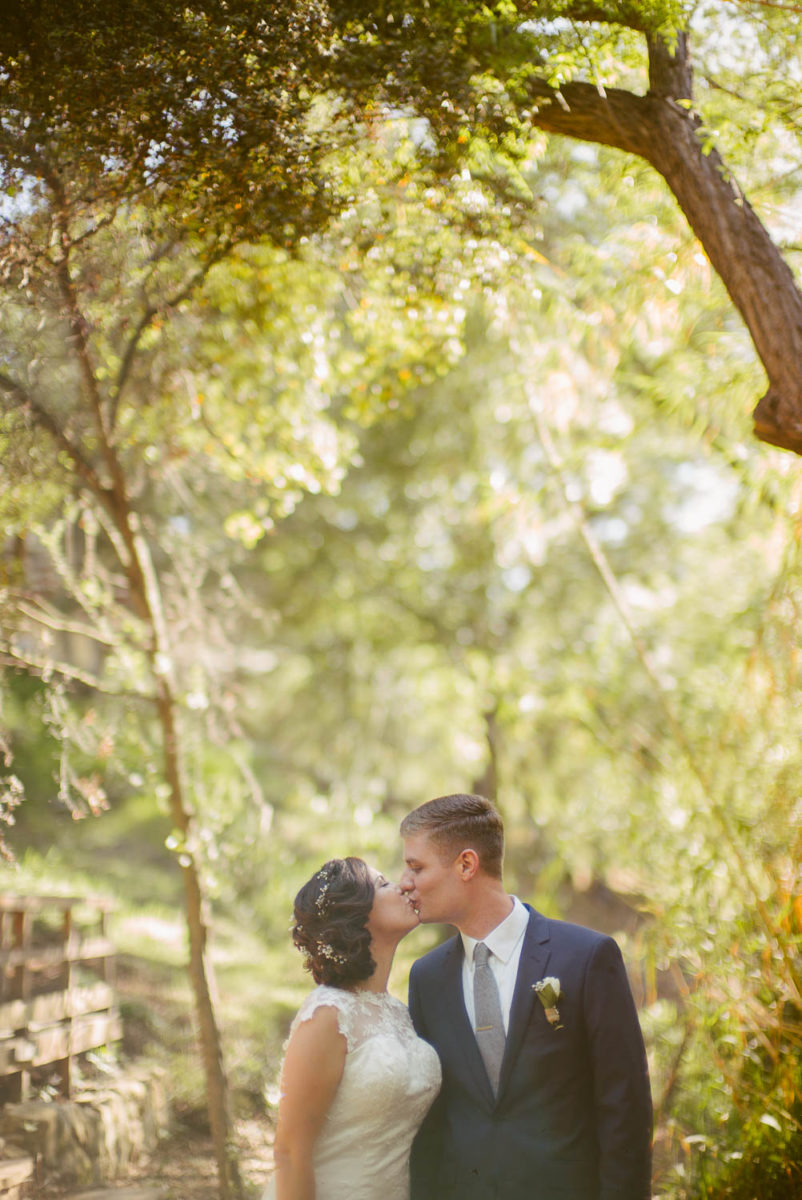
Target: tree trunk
[146, 601]
[101, 473]
[486, 784]
[660, 128]
[200, 968]
[144, 582]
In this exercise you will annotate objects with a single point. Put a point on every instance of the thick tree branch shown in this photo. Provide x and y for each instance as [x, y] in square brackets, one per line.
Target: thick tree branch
[630, 16]
[660, 128]
[615, 117]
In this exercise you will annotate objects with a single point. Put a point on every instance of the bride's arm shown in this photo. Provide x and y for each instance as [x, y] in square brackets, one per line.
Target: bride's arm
[313, 1067]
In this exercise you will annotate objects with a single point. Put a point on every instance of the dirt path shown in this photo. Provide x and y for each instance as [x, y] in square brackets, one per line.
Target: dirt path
[184, 1167]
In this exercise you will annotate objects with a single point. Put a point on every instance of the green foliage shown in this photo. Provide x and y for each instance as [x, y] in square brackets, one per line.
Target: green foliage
[748, 1140]
[457, 493]
[202, 106]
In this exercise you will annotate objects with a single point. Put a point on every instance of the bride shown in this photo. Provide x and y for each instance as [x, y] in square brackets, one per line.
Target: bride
[356, 1081]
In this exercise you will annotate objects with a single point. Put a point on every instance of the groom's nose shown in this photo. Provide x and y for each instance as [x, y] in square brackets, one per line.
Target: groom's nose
[405, 882]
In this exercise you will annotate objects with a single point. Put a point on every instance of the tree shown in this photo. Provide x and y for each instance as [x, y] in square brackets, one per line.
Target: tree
[164, 404]
[210, 104]
[448, 593]
[178, 399]
[133, 501]
[137, 145]
[494, 73]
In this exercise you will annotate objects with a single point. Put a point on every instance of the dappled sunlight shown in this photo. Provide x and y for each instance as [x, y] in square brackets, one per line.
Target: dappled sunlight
[376, 422]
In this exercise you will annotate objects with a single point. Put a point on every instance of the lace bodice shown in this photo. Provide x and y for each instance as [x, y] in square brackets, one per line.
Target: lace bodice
[360, 1015]
[390, 1078]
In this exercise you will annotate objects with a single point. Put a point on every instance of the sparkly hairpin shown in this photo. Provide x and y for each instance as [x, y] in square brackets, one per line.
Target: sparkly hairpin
[328, 952]
[320, 903]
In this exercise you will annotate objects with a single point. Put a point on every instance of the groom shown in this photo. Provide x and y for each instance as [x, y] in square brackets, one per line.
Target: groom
[545, 1090]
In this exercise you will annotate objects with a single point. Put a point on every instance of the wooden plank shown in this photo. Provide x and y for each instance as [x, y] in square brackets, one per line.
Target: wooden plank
[50, 1029]
[14, 1053]
[36, 904]
[86, 1033]
[68, 932]
[38, 959]
[15, 1170]
[95, 947]
[40, 1047]
[49, 1044]
[20, 984]
[90, 1032]
[54, 1006]
[12, 903]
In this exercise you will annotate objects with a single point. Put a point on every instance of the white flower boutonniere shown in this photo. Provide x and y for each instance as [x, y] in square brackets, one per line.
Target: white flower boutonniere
[548, 993]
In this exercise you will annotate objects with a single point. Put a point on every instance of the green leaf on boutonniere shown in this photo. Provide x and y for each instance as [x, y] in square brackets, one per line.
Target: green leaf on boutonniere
[548, 993]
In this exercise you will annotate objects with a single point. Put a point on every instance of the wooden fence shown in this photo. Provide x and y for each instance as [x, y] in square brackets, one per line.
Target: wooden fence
[56, 988]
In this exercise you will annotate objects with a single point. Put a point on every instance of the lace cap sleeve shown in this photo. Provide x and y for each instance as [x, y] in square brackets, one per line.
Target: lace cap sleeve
[336, 998]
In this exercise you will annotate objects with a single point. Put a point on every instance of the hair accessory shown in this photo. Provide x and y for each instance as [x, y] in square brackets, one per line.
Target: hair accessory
[320, 902]
[328, 952]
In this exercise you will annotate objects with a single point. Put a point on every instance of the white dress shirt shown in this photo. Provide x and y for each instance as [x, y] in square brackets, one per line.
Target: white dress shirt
[504, 943]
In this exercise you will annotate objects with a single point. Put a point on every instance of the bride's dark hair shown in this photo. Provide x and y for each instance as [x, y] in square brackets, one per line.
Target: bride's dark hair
[331, 914]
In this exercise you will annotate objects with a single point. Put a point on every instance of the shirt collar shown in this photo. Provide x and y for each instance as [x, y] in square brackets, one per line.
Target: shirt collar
[502, 940]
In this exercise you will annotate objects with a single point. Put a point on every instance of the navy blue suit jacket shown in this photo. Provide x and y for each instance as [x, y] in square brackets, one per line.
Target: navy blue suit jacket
[573, 1114]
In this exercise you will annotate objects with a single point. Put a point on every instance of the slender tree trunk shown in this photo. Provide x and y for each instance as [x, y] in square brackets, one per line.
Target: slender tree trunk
[487, 783]
[661, 128]
[143, 576]
[122, 527]
[200, 967]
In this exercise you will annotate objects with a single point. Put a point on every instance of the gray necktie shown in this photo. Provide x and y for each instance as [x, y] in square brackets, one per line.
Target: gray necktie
[489, 1024]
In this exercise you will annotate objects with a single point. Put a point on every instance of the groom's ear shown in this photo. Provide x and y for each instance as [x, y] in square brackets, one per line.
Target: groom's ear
[467, 864]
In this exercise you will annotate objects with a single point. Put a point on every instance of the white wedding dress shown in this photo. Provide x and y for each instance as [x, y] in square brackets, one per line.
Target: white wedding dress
[390, 1078]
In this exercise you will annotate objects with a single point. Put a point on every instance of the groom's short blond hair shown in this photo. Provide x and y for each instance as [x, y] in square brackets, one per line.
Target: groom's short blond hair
[460, 822]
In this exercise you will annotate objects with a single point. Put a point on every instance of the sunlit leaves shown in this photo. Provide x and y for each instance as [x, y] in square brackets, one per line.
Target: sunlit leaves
[205, 106]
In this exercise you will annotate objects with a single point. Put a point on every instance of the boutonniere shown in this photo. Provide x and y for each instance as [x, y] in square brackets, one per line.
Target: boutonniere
[548, 993]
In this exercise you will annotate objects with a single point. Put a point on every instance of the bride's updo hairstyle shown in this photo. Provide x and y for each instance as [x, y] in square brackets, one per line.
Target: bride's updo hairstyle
[331, 915]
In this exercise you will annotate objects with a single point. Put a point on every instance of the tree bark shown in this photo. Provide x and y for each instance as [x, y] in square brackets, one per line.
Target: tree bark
[144, 585]
[661, 128]
[486, 784]
[200, 969]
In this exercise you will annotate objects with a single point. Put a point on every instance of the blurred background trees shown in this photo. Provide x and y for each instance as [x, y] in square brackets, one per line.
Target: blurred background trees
[349, 458]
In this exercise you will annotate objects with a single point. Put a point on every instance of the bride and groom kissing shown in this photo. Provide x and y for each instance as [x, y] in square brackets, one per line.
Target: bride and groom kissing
[518, 1072]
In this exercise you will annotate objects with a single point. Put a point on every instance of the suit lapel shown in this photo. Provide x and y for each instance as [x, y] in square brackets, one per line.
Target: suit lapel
[467, 1057]
[535, 953]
